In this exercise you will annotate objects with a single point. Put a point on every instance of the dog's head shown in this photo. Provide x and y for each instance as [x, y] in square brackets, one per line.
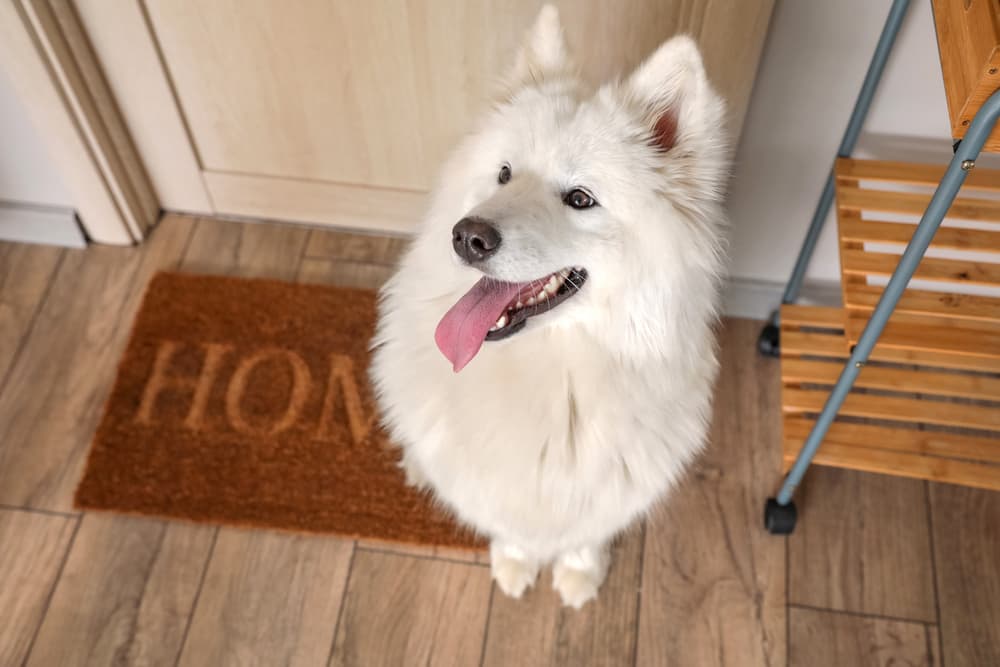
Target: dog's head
[585, 207]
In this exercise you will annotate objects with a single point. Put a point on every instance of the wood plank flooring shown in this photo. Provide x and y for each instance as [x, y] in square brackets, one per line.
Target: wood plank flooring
[881, 571]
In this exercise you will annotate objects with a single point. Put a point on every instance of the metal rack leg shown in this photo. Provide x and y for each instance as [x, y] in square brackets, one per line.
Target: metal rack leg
[769, 341]
[779, 513]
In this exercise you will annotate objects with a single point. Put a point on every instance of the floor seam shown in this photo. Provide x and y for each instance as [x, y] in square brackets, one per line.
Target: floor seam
[38, 510]
[197, 597]
[33, 320]
[52, 590]
[638, 593]
[343, 603]
[443, 559]
[860, 614]
[934, 576]
[486, 629]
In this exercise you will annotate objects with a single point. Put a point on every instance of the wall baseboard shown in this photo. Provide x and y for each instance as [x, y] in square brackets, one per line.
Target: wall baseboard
[40, 224]
[756, 299]
[741, 297]
[348, 206]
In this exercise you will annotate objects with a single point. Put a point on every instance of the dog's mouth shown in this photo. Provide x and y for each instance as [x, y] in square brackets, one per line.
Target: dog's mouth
[493, 310]
[533, 300]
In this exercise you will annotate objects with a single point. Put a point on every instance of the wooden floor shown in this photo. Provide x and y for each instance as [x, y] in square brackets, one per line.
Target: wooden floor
[881, 571]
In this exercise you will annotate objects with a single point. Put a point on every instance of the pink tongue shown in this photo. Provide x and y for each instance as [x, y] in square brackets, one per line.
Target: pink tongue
[463, 329]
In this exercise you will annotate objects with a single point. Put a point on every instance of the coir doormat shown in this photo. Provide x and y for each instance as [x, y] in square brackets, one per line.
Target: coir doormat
[247, 402]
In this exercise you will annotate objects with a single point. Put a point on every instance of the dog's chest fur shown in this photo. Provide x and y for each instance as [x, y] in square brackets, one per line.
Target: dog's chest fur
[545, 440]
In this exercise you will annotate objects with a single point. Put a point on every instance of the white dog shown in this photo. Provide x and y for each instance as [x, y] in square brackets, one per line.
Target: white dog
[545, 353]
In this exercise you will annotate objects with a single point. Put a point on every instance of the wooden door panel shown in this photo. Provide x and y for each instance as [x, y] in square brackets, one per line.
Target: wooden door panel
[339, 112]
[267, 87]
[376, 93]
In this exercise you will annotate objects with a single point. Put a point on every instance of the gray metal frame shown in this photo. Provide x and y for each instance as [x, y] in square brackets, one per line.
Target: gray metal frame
[857, 120]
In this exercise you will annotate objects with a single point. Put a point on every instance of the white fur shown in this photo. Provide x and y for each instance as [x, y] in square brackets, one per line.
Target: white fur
[556, 439]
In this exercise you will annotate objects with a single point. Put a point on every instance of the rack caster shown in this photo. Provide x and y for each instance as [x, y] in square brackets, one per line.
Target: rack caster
[779, 519]
[769, 341]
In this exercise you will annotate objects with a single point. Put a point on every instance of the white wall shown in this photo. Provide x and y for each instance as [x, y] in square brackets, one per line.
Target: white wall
[813, 64]
[35, 205]
[27, 175]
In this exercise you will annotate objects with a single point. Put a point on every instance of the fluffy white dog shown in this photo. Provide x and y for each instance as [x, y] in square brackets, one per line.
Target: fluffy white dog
[545, 354]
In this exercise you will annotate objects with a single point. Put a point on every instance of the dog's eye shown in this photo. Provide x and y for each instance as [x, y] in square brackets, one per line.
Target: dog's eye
[504, 175]
[578, 198]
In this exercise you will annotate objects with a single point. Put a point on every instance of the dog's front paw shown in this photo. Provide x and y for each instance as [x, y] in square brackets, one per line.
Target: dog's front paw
[578, 575]
[576, 587]
[513, 572]
[514, 576]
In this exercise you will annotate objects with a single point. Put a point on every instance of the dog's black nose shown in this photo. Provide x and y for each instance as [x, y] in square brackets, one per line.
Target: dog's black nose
[474, 239]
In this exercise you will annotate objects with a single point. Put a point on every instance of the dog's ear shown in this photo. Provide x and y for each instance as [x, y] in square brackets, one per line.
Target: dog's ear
[671, 91]
[543, 53]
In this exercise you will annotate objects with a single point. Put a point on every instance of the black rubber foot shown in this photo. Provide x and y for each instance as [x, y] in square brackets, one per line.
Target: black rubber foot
[779, 519]
[769, 341]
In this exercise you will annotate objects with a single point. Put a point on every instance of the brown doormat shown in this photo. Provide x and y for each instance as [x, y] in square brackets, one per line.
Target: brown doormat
[247, 402]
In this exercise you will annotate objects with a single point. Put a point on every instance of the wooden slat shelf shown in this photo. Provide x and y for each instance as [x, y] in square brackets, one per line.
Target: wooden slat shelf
[908, 173]
[813, 316]
[952, 238]
[920, 302]
[912, 203]
[927, 405]
[961, 385]
[862, 262]
[897, 409]
[851, 448]
[936, 339]
[914, 441]
[809, 343]
[920, 399]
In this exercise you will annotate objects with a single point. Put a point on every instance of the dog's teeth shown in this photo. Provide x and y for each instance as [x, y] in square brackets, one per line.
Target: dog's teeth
[519, 304]
[541, 296]
[501, 323]
[531, 301]
[553, 285]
